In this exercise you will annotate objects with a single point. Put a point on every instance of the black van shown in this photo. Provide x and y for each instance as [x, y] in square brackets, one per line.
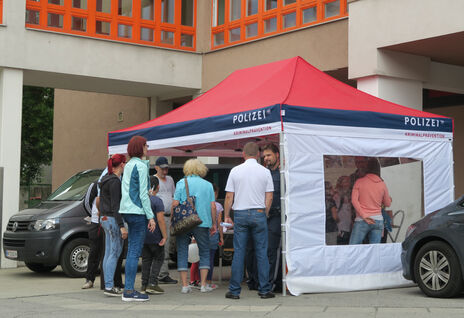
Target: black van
[55, 232]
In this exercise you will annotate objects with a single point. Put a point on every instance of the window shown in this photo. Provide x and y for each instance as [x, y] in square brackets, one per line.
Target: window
[332, 9]
[167, 37]
[187, 12]
[32, 17]
[55, 20]
[186, 40]
[235, 9]
[289, 20]
[270, 25]
[309, 15]
[235, 21]
[162, 23]
[79, 4]
[124, 31]
[252, 7]
[219, 9]
[104, 6]
[79, 24]
[271, 4]
[167, 11]
[251, 30]
[125, 8]
[103, 27]
[148, 9]
[234, 35]
[146, 34]
[57, 2]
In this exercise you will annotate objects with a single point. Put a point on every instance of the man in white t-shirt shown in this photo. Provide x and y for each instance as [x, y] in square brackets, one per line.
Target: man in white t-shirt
[250, 188]
[165, 193]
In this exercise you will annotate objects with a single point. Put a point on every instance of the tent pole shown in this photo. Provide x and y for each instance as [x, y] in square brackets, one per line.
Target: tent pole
[283, 239]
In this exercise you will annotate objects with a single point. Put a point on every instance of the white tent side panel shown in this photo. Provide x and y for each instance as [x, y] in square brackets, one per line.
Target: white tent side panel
[314, 266]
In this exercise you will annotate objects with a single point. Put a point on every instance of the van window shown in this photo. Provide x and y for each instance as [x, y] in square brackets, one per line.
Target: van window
[75, 188]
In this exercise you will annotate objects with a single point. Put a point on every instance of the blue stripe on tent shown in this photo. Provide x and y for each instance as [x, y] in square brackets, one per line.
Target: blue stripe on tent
[337, 117]
[266, 115]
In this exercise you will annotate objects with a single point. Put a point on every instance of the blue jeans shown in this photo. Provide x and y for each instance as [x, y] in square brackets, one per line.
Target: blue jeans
[254, 223]
[201, 235]
[361, 229]
[137, 228]
[113, 248]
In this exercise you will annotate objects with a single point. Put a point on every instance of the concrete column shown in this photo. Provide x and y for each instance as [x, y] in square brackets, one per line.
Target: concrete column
[11, 93]
[401, 91]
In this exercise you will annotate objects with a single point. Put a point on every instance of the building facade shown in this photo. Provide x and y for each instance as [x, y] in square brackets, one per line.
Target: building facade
[116, 63]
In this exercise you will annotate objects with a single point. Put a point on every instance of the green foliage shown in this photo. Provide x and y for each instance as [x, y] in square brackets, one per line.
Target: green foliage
[37, 132]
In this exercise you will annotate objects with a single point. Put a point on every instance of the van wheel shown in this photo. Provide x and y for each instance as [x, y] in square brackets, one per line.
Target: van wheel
[75, 257]
[40, 268]
[437, 270]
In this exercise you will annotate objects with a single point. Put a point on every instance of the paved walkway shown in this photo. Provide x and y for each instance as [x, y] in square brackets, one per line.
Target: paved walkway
[27, 294]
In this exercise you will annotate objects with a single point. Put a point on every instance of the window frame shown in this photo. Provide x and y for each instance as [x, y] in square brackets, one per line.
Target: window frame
[279, 12]
[135, 21]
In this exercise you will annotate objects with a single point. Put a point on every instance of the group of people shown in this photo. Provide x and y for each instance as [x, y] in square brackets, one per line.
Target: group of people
[125, 206]
[128, 203]
[355, 209]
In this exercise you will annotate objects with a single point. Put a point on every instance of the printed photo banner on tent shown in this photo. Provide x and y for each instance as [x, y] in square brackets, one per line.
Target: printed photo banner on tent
[314, 266]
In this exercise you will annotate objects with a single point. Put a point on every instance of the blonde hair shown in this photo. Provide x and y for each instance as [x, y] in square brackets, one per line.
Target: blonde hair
[195, 167]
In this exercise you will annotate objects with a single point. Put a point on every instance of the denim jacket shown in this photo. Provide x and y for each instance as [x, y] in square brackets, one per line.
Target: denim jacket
[135, 186]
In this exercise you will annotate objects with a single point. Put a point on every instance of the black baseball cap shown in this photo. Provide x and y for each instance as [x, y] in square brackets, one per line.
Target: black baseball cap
[162, 162]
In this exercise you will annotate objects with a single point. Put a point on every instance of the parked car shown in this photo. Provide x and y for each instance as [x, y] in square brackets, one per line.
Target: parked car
[54, 232]
[433, 251]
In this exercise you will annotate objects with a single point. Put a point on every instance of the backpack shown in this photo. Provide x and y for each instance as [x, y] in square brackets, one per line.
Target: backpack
[90, 196]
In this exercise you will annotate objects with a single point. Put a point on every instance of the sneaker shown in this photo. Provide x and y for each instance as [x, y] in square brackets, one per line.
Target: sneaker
[212, 286]
[186, 290]
[206, 289]
[154, 289]
[232, 296]
[167, 280]
[113, 292]
[88, 284]
[134, 296]
[195, 284]
[143, 289]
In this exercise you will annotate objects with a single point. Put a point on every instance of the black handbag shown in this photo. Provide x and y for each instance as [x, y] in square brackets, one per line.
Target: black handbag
[185, 216]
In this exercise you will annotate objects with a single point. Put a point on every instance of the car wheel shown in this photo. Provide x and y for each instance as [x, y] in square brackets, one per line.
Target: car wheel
[75, 257]
[40, 268]
[437, 270]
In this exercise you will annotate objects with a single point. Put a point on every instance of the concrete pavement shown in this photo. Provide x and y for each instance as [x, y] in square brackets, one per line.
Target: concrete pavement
[27, 294]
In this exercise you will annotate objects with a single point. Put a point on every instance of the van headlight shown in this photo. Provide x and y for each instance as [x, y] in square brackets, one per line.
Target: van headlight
[44, 225]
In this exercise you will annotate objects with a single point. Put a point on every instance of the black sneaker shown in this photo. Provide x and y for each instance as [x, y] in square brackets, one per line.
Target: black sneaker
[267, 295]
[232, 296]
[113, 292]
[167, 280]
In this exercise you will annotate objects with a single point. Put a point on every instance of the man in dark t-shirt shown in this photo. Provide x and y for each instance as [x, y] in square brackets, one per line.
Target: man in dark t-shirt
[153, 246]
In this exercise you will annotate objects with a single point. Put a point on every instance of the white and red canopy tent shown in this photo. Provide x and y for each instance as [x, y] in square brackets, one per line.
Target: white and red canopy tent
[314, 115]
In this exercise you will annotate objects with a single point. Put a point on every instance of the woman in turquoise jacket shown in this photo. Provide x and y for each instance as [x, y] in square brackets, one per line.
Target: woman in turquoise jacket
[136, 210]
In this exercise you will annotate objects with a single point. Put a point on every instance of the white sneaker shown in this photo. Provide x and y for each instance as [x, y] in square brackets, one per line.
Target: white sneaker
[186, 290]
[212, 286]
[206, 289]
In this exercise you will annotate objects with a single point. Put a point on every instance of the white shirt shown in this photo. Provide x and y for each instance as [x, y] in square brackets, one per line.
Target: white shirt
[249, 181]
[166, 192]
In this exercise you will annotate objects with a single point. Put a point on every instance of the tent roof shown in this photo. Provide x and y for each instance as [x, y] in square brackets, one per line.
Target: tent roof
[255, 102]
[292, 81]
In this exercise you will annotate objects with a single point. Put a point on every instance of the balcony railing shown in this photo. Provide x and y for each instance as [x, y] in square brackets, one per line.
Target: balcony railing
[238, 21]
[161, 23]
